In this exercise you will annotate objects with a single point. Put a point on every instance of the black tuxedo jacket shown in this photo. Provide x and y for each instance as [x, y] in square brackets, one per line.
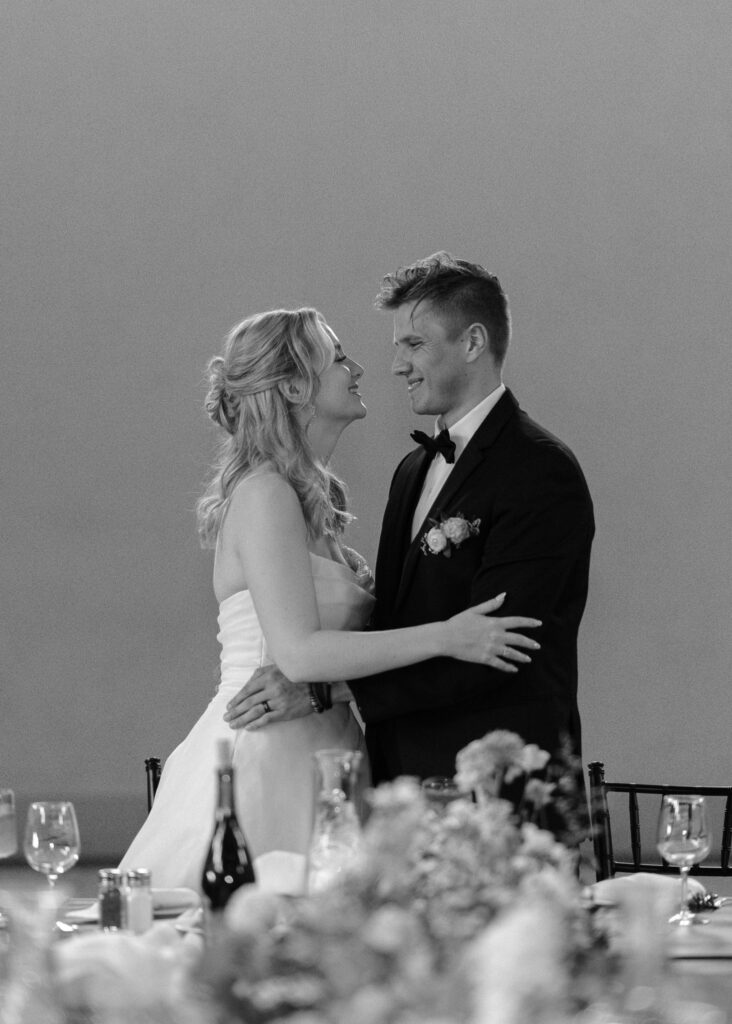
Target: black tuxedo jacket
[536, 529]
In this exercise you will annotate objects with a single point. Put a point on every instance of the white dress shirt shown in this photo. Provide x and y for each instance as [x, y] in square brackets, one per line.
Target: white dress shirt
[461, 432]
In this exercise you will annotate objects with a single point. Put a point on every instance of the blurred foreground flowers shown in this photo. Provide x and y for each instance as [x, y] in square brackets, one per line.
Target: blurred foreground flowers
[469, 914]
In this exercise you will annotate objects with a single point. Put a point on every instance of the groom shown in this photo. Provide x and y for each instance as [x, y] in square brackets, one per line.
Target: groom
[492, 503]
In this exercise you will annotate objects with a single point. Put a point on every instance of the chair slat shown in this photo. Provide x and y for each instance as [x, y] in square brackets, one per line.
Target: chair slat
[727, 832]
[635, 833]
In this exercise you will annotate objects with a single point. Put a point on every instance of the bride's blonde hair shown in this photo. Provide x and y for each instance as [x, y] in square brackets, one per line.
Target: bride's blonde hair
[268, 373]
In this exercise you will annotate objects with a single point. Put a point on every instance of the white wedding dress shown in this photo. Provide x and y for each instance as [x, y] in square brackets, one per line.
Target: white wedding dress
[274, 765]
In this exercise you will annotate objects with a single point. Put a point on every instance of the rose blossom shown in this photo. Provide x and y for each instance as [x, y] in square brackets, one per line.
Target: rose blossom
[533, 758]
[436, 540]
[455, 529]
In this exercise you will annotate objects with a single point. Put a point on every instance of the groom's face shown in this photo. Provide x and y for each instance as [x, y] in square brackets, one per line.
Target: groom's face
[430, 355]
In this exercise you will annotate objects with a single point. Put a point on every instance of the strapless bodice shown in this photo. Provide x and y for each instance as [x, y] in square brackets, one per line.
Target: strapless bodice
[344, 599]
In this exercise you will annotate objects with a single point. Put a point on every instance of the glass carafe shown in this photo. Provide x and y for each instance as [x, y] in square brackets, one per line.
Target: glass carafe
[336, 838]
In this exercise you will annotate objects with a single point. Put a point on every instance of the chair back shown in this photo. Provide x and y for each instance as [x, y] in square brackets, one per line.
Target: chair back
[606, 861]
[152, 770]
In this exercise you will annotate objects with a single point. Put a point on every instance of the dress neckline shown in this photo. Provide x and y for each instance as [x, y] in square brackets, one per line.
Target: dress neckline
[321, 558]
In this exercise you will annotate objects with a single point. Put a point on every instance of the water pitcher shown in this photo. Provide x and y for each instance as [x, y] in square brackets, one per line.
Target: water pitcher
[336, 838]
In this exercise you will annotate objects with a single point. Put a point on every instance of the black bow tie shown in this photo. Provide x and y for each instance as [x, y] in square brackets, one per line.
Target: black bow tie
[436, 445]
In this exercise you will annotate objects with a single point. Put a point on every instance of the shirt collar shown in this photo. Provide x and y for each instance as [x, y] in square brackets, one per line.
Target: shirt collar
[462, 431]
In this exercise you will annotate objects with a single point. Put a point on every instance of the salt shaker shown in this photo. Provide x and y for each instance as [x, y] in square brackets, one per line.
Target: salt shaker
[139, 904]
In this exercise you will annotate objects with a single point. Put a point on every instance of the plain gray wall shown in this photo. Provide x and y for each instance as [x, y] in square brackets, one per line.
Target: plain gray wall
[169, 167]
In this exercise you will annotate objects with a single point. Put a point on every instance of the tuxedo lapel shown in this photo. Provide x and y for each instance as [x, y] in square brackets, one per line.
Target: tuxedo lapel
[473, 457]
[396, 527]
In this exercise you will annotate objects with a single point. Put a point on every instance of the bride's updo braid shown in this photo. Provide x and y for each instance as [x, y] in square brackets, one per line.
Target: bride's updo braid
[269, 370]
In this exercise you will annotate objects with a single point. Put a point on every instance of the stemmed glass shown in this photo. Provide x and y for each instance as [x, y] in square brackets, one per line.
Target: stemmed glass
[8, 845]
[8, 830]
[52, 842]
[684, 839]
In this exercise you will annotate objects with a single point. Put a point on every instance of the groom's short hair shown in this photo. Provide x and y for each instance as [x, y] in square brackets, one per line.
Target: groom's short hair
[460, 291]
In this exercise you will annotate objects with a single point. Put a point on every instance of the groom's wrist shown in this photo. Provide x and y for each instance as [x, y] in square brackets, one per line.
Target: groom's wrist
[320, 699]
[340, 693]
[324, 695]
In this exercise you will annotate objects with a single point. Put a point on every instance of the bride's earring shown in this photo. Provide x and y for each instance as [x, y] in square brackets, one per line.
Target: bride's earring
[311, 412]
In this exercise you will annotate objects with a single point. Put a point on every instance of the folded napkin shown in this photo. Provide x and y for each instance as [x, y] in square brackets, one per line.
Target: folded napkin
[611, 890]
[168, 902]
[280, 872]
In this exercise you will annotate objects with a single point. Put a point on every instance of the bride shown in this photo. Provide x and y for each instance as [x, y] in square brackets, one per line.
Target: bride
[289, 593]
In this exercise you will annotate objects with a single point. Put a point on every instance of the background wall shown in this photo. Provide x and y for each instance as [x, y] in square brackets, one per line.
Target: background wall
[170, 167]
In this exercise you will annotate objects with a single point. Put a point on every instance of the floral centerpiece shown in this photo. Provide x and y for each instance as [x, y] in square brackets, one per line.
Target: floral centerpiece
[435, 922]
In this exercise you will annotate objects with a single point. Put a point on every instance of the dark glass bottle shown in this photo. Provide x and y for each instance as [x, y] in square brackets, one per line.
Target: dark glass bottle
[228, 863]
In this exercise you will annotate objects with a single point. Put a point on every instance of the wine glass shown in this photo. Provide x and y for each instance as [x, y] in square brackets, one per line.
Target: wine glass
[52, 842]
[8, 846]
[684, 839]
[8, 830]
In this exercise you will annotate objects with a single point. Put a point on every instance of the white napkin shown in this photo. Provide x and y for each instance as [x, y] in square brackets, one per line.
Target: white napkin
[609, 890]
[165, 901]
[281, 872]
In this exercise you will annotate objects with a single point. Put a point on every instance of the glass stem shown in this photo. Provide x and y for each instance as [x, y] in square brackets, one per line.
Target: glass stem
[52, 880]
[684, 908]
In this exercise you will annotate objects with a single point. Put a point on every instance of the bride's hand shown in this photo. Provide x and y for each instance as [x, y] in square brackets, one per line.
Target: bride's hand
[477, 636]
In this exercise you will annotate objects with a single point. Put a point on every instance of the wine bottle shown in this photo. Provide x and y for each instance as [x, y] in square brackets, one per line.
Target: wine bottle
[228, 863]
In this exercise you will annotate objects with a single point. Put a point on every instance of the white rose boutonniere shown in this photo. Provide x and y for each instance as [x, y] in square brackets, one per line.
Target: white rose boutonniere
[447, 533]
[456, 529]
[434, 541]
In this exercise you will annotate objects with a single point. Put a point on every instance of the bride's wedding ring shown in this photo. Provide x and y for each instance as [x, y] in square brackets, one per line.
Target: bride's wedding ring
[265, 705]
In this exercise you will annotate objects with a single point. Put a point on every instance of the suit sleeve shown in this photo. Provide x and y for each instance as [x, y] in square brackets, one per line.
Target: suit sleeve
[536, 549]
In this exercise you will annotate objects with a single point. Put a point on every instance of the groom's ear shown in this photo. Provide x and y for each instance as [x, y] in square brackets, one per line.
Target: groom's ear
[476, 341]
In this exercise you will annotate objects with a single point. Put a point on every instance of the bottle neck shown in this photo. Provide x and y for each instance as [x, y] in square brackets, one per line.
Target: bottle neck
[225, 806]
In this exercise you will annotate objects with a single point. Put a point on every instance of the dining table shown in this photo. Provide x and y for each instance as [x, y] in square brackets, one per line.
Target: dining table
[698, 959]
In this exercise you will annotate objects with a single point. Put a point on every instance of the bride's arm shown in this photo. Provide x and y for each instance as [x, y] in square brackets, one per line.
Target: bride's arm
[267, 528]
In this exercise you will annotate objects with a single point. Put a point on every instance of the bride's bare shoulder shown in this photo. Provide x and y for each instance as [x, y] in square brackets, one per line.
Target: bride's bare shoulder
[262, 480]
[264, 493]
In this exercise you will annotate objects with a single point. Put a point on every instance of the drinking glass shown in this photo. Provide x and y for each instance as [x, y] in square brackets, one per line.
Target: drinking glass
[51, 838]
[439, 791]
[8, 829]
[8, 846]
[684, 839]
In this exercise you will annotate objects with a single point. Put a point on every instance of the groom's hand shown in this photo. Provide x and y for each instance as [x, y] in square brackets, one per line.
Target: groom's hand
[267, 688]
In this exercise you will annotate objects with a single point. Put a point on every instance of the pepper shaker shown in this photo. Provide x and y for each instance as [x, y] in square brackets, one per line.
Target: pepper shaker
[110, 900]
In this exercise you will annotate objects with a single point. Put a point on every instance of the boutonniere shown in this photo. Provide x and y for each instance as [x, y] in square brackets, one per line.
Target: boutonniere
[446, 533]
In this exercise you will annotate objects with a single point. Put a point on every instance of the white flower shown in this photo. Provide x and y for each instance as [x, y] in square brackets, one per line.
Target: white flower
[456, 529]
[390, 929]
[486, 762]
[436, 540]
[446, 534]
[538, 793]
[503, 989]
[533, 758]
[398, 795]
